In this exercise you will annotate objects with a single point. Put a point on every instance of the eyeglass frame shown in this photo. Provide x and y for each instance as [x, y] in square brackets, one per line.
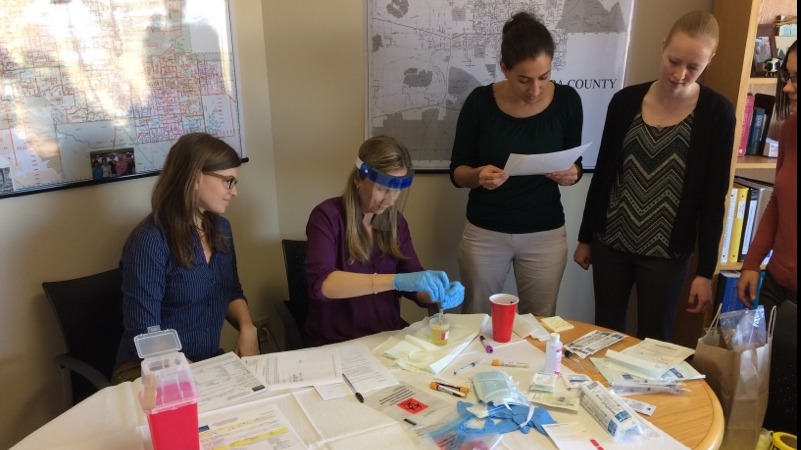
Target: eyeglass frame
[784, 77]
[230, 180]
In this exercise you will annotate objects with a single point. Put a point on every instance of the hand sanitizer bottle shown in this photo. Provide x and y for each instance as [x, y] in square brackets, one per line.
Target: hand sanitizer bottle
[553, 355]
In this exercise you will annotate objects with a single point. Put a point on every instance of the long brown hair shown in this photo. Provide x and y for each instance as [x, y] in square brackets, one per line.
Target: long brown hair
[384, 154]
[174, 201]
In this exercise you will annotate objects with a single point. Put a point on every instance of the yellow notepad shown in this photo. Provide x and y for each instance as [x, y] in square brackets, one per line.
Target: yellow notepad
[556, 324]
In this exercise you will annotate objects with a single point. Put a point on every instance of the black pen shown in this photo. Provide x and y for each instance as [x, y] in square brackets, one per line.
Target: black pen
[359, 396]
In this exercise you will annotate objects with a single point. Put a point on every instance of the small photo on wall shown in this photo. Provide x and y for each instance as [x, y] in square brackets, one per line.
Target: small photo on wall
[112, 163]
[6, 183]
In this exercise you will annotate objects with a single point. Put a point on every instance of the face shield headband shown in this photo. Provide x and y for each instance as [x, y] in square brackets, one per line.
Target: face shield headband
[388, 181]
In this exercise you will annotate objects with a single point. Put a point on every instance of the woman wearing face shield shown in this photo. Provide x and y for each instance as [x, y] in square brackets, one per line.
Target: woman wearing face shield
[360, 259]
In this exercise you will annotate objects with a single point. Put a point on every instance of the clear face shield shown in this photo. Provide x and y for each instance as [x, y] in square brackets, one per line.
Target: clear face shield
[387, 191]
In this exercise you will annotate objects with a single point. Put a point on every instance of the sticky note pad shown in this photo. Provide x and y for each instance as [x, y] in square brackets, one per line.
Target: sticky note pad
[556, 324]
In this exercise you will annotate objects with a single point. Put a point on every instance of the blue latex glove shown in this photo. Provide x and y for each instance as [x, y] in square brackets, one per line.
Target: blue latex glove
[434, 282]
[454, 296]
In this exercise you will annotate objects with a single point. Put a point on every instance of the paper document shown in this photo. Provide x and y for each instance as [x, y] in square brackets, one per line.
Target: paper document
[542, 163]
[297, 368]
[363, 370]
[254, 426]
[224, 380]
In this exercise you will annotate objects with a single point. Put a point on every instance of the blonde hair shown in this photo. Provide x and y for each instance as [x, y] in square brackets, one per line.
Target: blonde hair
[384, 154]
[697, 24]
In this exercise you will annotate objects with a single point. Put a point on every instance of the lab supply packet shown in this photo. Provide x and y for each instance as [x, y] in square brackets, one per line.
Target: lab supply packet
[592, 342]
[650, 357]
[608, 410]
[498, 388]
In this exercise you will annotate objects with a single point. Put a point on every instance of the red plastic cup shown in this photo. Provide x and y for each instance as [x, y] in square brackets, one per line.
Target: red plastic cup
[175, 425]
[503, 309]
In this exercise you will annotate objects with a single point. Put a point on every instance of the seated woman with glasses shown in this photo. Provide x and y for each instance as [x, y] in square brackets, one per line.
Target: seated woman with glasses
[360, 259]
[179, 265]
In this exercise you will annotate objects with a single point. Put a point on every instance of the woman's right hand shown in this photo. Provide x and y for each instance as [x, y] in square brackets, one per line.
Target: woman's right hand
[747, 286]
[583, 255]
[491, 177]
[433, 282]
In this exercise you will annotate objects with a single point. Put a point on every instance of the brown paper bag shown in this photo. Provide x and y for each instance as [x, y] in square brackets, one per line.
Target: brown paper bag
[740, 380]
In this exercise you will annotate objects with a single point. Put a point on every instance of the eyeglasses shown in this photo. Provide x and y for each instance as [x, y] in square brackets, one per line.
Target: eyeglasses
[784, 77]
[229, 181]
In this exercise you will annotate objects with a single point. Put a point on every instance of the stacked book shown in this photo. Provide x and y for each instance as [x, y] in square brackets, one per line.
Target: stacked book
[756, 123]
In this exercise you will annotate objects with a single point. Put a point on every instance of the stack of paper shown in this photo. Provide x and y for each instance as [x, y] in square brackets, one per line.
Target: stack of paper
[651, 359]
[414, 352]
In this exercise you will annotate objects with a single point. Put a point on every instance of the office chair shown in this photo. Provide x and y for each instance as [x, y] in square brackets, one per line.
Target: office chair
[293, 311]
[89, 313]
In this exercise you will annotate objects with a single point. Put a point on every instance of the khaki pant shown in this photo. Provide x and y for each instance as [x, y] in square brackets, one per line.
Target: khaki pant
[539, 260]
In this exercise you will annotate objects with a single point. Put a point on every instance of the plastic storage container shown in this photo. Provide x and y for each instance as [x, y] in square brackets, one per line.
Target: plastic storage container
[169, 396]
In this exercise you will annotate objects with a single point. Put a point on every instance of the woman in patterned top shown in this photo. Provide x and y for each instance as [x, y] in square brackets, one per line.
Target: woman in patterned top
[179, 264]
[659, 187]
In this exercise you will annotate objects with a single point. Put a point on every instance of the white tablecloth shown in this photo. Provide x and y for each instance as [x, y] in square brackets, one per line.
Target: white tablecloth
[112, 418]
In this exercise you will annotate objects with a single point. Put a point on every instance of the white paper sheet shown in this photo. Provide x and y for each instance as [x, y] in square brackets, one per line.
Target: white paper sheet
[224, 380]
[363, 370]
[297, 368]
[542, 163]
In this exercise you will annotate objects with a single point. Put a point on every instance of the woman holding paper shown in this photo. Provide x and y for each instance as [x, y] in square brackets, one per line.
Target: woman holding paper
[360, 258]
[516, 220]
[778, 231]
[659, 187]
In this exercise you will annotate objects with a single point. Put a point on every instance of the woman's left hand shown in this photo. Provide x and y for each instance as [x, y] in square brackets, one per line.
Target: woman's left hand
[700, 295]
[567, 177]
[247, 344]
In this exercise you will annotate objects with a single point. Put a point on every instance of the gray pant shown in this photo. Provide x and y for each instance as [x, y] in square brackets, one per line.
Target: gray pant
[539, 259]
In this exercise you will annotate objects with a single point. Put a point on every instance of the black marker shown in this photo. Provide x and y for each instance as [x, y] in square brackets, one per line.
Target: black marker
[359, 396]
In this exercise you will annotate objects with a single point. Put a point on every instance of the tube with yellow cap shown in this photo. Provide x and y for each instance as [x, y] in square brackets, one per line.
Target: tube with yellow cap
[498, 362]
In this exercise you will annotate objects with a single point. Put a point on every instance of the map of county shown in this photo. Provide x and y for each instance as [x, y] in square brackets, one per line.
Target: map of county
[100, 89]
[424, 58]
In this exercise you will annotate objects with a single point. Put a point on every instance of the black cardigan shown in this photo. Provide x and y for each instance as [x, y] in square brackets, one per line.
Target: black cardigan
[699, 218]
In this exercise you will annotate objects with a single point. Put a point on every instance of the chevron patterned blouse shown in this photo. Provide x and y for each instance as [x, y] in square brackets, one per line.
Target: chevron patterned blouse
[647, 189]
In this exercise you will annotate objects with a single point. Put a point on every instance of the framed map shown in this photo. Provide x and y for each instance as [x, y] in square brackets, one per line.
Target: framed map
[98, 90]
[424, 58]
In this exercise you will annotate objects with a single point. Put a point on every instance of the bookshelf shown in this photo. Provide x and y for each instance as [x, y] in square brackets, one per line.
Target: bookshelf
[730, 74]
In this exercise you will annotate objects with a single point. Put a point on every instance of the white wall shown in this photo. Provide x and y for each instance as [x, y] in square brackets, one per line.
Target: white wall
[301, 135]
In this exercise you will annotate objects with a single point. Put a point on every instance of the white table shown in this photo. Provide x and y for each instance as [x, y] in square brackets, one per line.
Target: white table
[112, 418]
